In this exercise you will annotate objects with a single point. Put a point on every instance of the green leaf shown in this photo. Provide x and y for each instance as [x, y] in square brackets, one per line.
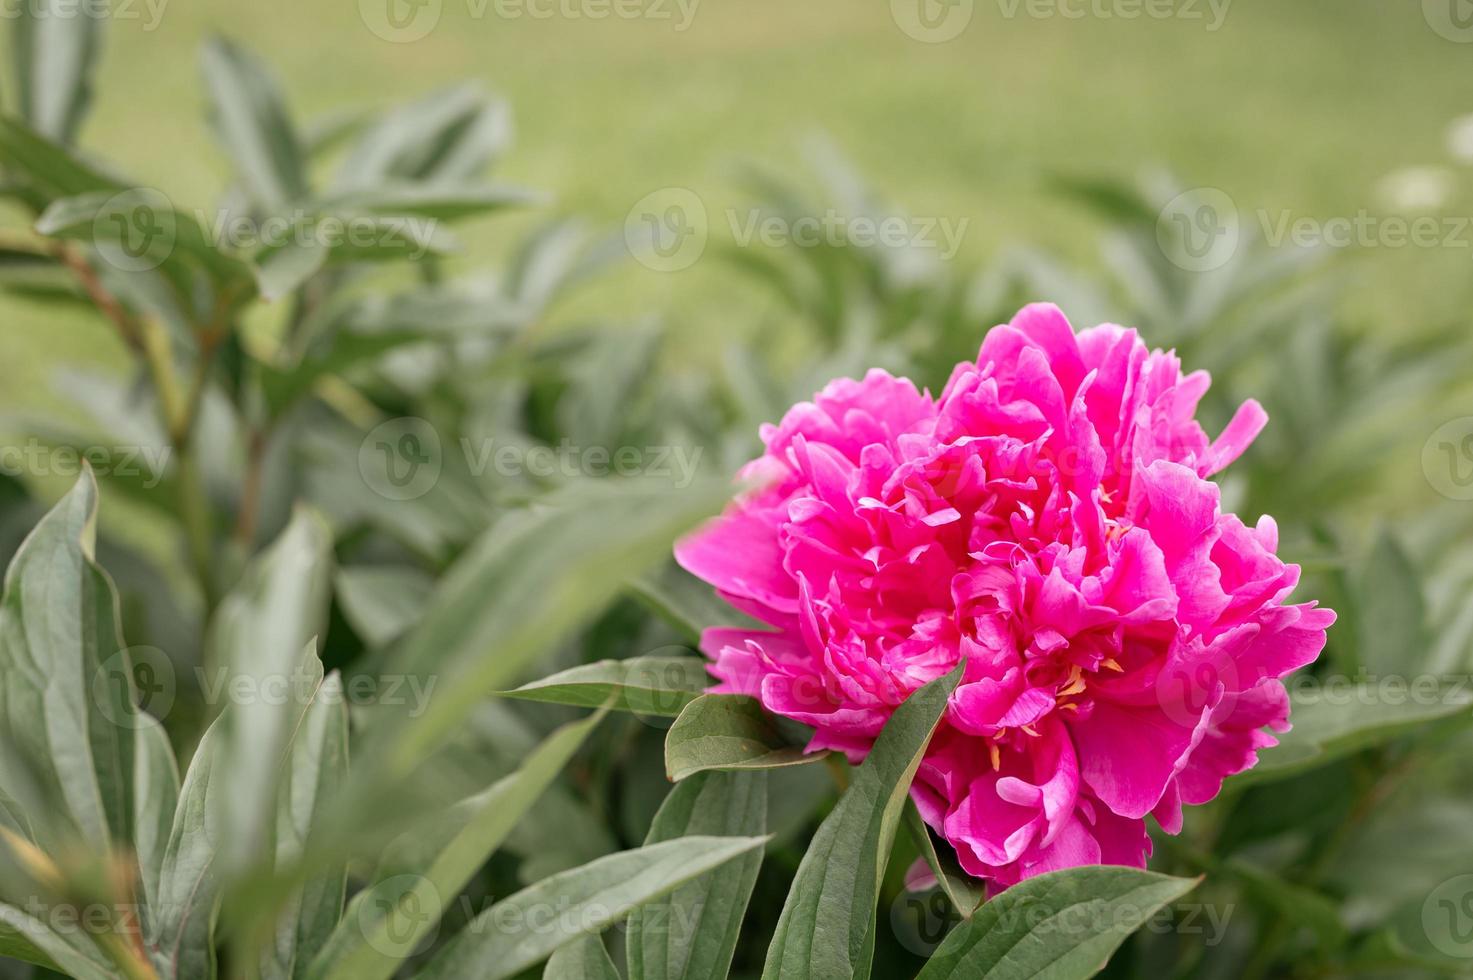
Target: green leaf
[1058, 926]
[584, 959]
[262, 644]
[56, 46]
[692, 934]
[181, 943]
[380, 602]
[648, 685]
[963, 891]
[687, 603]
[440, 201]
[726, 731]
[27, 938]
[383, 925]
[254, 126]
[138, 230]
[1342, 718]
[281, 270]
[511, 935]
[316, 770]
[1390, 613]
[827, 927]
[447, 136]
[155, 799]
[67, 701]
[535, 577]
[47, 165]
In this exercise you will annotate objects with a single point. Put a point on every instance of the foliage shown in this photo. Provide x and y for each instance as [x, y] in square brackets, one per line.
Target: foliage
[427, 705]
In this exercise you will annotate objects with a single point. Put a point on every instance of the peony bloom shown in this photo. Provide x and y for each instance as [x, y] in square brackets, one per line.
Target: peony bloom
[1049, 520]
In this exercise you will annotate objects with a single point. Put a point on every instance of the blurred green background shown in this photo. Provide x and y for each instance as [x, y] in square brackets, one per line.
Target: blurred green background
[1299, 107]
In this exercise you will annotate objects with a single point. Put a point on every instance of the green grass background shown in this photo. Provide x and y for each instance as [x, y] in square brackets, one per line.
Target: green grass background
[1292, 105]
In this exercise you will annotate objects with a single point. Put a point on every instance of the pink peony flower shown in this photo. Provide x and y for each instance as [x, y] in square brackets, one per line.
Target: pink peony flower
[1049, 520]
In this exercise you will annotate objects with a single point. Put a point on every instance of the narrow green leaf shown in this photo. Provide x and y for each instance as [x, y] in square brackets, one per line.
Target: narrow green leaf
[254, 126]
[692, 934]
[383, 924]
[66, 704]
[46, 165]
[1390, 614]
[1339, 719]
[380, 602]
[533, 578]
[155, 798]
[181, 943]
[56, 45]
[281, 271]
[963, 891]
[27, 938]
[440, 201]
[827, 927]
[1058, 926]
[513, 935]
[584, 959]
[687, 603]
[725, 731]
[316, 770]
[263, 658]
[648, 685]
[447, 136]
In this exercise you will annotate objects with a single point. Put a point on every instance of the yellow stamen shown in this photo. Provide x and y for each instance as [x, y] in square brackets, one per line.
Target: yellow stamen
[1030, 730]
[996, 755]
[1075, 685]
[1112, 664]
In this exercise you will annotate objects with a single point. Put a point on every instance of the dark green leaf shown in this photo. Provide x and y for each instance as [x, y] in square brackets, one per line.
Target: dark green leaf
[692, 933]
[252, 121]
[511, 936]
[1058, 926]
[649, 685]
[827, 926]
[725, 731]
[56, 46]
